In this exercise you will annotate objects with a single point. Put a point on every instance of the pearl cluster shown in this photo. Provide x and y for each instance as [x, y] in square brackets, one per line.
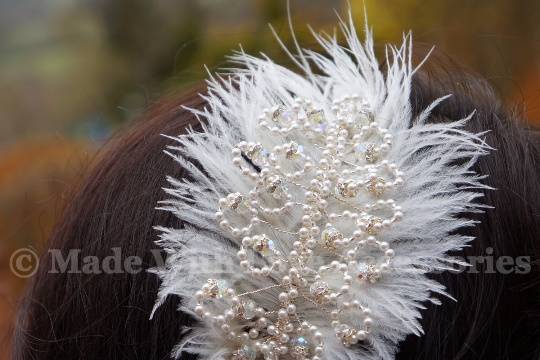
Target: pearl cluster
[335, 184]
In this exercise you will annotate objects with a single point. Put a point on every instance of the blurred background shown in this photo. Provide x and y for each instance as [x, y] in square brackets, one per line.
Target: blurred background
[73, 71]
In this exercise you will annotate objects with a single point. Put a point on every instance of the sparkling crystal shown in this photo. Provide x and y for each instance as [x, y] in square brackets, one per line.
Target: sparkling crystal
[294, 151]
[321, 127]
[347, 188]
[300, 348]
[376, 185]
[319, 289]
[249, 309]
[301, 341]
[329, 237]
[366, 272]
[347, 336]
[277, 113]
[361, 147]
[234, 200]
[246, 352]
[216, 288]
[362, 268]
[364, 110]
[371, 227]
[371, 153]
[263, 245]
[254, 152]
[275, 187]
[289, 115]
[316, 116]
[245, 309]
[222, 288]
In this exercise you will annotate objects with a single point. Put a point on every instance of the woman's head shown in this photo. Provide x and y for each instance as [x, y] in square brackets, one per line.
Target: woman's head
[90, 315]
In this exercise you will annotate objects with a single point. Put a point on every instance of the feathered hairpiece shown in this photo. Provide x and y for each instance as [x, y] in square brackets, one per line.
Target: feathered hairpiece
[316, 206]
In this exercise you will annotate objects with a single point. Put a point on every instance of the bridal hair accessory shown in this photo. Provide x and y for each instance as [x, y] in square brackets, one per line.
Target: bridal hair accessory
[315, 206]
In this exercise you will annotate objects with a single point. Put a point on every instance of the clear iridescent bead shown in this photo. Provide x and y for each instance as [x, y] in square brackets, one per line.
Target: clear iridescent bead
[300, 348]
[246, 352]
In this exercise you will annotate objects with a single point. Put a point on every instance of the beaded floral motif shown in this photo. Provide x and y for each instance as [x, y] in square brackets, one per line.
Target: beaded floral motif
[338, 182]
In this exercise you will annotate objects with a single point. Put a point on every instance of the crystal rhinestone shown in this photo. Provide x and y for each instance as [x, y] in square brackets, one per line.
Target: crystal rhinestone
[289, 115]
[277, 113]
[347, 336]
[329, 236]
[365, 272]
[294, 151]
[254, 152]
[360, 147]
[246, 352]
[234, 200]
[371, 227]
[216, 288]
[249, 307]
[376, 185]
[318, 290]
[316, 117]
[364, 111]
[222, 288]
[275, 187]
[371, 153]
[245, 309]
[263, 245]
[362, 268]
[301, 348]
[347, 188]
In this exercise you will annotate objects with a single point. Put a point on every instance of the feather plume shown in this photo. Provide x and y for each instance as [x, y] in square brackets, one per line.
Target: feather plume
[439, 187]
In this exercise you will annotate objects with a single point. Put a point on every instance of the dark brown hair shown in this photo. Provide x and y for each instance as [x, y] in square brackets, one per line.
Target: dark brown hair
[106, 316]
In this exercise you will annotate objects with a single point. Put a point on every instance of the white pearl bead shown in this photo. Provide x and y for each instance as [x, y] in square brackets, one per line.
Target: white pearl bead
[262, 322]
[253, 333]
[272, 330]
[368, 322]
[293, 293]
[361, 335]
[260, 312]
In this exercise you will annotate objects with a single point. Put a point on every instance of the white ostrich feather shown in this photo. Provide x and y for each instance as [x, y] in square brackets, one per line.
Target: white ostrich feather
[439, 186]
